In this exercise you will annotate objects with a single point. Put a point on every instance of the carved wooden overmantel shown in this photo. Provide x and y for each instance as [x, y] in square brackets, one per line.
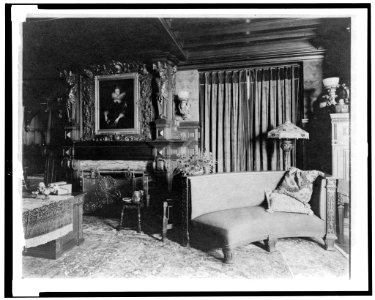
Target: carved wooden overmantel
[161, 140]
[157, 90]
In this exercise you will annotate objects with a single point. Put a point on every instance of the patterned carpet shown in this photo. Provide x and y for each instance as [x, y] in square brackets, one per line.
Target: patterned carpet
[108, 253]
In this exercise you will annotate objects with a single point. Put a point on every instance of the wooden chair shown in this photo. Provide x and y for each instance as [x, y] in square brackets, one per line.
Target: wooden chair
[167, 206]
[140, 182]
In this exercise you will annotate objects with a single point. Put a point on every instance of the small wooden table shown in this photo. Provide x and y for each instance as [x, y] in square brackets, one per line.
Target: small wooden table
[128, 204]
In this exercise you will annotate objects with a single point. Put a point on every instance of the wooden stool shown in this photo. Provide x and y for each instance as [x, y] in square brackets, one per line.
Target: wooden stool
[128, 204]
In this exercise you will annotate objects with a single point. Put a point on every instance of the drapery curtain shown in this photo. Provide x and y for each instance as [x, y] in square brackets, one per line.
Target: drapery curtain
[239, 107]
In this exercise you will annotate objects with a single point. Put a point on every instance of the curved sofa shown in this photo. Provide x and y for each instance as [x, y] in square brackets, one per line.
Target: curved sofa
[230, 208]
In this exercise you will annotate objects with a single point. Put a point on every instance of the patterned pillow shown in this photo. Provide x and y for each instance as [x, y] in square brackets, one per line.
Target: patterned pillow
[298, 184]
[284, 203]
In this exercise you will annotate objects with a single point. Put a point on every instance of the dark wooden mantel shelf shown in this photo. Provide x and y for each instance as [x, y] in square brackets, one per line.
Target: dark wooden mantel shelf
[121, 150]
[164, 143]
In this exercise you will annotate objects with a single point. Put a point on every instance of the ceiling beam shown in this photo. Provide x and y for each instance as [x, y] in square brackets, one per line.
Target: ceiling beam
[177, 43]
[259, 60]
[251, 27]
[281, 47]
[243, 39]
[183, 24]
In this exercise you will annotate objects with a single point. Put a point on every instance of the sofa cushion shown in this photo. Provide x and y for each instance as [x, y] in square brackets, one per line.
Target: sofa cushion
[248, 224]
[285, 203]
[298, 184]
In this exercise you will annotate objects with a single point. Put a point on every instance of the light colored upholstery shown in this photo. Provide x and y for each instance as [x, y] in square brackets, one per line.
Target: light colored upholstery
[249, 224]
[216, 192]
[231, 207]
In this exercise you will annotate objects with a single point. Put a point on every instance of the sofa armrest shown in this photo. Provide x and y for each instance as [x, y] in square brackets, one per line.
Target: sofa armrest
[185, 201]
[323, 203]
[318, 200]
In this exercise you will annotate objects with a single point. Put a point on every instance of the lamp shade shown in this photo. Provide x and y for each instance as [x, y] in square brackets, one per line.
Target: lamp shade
[288, 131]
[331, 81]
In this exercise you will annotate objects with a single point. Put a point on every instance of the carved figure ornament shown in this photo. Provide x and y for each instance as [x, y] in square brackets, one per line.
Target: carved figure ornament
[162, 93]
[183, 105]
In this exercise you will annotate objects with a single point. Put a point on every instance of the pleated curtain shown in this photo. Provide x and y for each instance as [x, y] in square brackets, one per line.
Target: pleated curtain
[239, 107]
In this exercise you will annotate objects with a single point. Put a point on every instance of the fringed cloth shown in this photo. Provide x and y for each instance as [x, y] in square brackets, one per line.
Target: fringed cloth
[46, 220]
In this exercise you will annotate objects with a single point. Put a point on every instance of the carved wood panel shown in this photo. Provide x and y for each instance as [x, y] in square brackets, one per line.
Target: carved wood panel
[88, 108]
[331, 207]
[72, 101]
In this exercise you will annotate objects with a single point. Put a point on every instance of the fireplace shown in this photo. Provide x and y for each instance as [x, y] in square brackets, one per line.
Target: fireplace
[116, 158]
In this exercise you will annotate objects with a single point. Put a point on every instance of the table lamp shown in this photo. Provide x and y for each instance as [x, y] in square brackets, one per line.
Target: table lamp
[287, 132]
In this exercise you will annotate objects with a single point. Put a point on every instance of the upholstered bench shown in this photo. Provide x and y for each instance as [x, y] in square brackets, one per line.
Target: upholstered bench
[231, 208]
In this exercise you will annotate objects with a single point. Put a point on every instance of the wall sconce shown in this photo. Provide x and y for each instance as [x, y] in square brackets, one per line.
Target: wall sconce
[183, 105]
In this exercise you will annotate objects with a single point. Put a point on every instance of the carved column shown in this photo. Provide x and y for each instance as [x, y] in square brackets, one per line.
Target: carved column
[331, 213]
[145, 79]
[165, 156]
[172, 78]
[88, 105]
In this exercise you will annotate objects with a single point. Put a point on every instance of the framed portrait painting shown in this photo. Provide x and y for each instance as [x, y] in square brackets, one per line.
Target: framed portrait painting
[116, 104]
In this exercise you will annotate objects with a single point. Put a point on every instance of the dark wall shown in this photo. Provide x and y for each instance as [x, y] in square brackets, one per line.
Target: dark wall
[334, 35]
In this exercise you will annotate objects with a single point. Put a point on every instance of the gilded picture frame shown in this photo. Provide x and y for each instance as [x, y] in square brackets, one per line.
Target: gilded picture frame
[116, 104]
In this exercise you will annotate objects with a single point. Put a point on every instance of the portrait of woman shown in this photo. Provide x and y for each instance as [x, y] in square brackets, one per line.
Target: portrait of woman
[116, 110]
[114, 114]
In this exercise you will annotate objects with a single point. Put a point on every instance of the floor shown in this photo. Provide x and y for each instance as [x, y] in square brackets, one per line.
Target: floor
[111, 253]
[345, 244]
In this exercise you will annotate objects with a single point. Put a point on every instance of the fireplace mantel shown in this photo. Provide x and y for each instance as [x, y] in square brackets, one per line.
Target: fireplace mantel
[122, 150]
